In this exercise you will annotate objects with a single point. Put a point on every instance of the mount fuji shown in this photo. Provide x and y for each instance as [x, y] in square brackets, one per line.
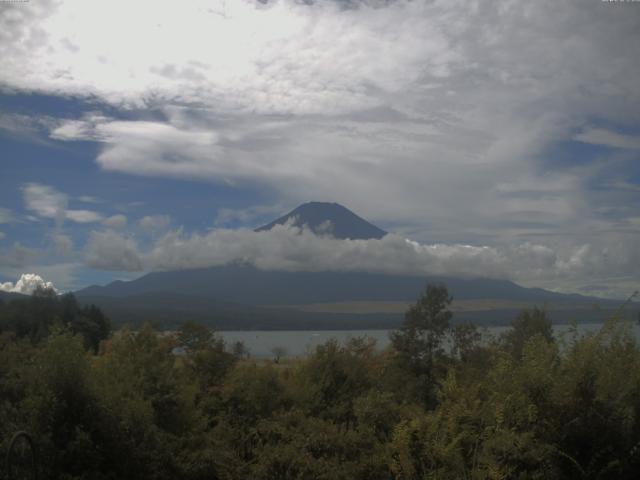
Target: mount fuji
[238, 296]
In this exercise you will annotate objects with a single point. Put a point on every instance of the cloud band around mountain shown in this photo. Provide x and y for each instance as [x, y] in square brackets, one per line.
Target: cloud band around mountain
[291, 248]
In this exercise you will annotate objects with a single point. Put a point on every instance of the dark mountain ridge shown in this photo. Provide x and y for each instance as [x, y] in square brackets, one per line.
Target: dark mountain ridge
[251, 286]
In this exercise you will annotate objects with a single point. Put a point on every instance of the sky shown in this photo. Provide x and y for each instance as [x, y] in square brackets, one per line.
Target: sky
[497, 139]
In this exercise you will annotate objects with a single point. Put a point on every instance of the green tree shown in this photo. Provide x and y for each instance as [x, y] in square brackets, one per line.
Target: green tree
[34, 317]
[194, 336]
[206, 356]
[329, 380]
[425, 325]
[278, 352]
[419, 340]
[240, 350]
[465, 338]
[527, 325]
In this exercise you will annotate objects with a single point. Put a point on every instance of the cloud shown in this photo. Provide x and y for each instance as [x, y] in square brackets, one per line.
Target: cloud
[2, 235]
[290, 248]
[608, 138]
[18, 256]
[151, 148]
[27, 284]
[65, 276]
[111, 251]
[48, 202]
[428, 104]
[316, 57]
[289, 56]
[72, 130]
[5, 215]
[249, 215]
[83, 216]
[30, 128]
[45, 201]
[115, 221]
[63, 244]
[89, 199]
[154, 222]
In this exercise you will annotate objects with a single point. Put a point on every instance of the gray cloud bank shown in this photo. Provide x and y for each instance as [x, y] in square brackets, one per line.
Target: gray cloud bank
[292, 248]
[448, 111]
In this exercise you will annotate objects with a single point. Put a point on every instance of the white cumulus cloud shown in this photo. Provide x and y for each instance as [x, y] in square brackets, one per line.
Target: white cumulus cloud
[47, 202]
[111, 251]
[154, 222]
[27, 284]
[115, 221]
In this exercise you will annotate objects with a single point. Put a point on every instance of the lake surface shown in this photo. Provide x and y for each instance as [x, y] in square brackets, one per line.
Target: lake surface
[300, 342]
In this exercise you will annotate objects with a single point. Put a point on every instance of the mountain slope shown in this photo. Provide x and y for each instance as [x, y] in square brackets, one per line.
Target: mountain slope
[329, 218]
[236, 298]
[251, 286]
[8, 296]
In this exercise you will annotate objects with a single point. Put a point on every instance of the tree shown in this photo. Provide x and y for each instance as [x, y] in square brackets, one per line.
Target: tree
[425, 325]
[526, 326]
[206, 355]
[465, 338]
[194, 336]
[332, 377]
[419, 340]
[278, 352]
[35, 316]
[240, 350]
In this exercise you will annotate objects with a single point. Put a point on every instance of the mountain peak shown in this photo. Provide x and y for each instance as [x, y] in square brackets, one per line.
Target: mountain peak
[331, 218]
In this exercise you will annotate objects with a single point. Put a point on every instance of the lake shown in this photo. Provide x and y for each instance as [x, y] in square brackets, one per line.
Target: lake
[300, 342]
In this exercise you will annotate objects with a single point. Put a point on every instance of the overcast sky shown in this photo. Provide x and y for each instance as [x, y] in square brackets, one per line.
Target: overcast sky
[501, 138]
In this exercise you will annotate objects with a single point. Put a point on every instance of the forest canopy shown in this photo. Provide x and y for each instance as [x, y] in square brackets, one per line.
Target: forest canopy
[130, 404]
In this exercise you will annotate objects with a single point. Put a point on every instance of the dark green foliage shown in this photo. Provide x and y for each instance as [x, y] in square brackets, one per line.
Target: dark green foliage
[426, 324]
[333, 378]
[419, 341]
[526, 326]
[179, 405]
[35, 316]
[465, 340]
[194, 337]
[206, 359]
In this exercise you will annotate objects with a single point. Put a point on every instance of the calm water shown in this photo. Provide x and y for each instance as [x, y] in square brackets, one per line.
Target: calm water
[297, 342]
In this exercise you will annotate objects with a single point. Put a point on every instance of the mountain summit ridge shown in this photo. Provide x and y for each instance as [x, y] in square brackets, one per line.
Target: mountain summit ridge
[328, 218]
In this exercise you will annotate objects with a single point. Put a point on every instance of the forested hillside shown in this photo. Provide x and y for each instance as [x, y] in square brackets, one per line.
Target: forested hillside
[525, 405]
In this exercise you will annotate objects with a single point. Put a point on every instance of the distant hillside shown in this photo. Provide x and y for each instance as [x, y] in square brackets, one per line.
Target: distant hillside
[7, 296]
[241, 297]
[251, 286]
[329, 218]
